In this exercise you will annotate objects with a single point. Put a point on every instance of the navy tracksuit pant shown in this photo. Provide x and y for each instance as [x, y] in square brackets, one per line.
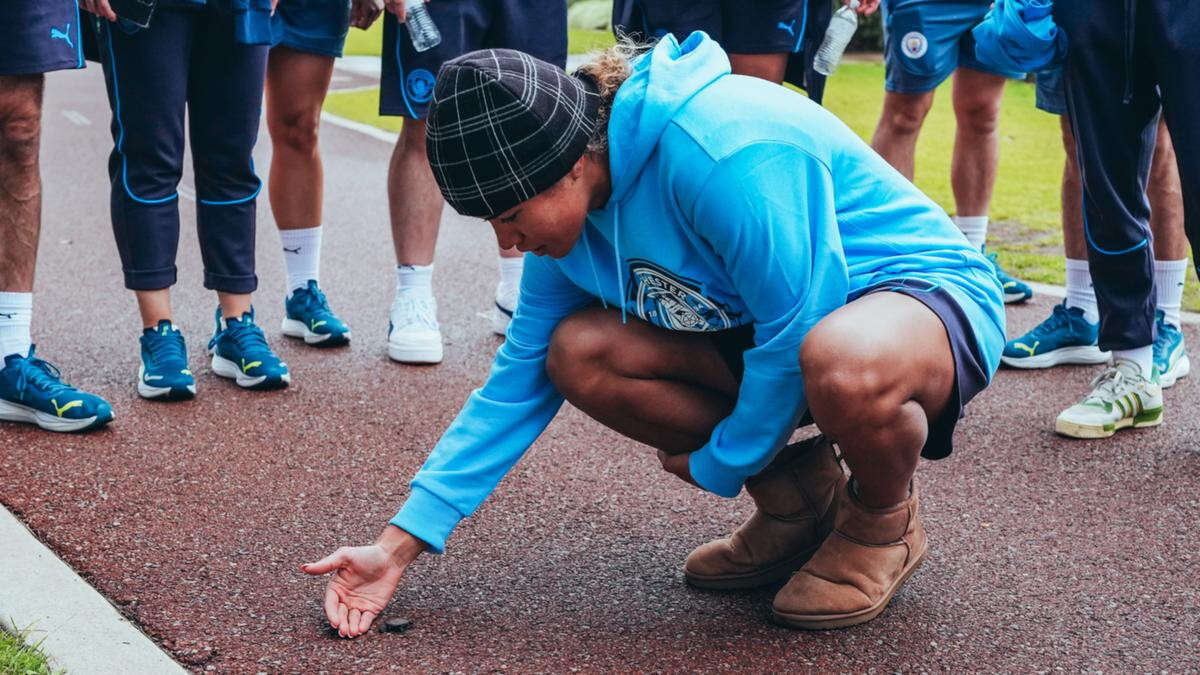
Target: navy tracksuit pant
[1127, 61]
[187, 59]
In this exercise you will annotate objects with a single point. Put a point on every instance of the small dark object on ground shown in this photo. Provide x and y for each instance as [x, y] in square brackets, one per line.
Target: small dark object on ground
[395, 625]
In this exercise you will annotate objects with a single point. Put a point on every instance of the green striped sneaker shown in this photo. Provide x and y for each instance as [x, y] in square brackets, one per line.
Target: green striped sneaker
[1120, 398]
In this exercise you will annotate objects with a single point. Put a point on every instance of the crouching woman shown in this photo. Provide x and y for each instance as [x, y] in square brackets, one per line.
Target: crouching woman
[715, 261]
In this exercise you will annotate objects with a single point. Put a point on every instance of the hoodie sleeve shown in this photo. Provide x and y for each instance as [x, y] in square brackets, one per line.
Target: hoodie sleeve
[499, 421]
[768, 212]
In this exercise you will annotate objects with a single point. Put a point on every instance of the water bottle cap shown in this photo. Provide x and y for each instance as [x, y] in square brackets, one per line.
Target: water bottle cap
[853, 4]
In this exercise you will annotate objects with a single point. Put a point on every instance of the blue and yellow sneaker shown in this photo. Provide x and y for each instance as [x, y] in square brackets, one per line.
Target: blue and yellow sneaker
[1014, 289]
[164, 371]
[1064, 337]
[240, 352]
[32, 390]
[307, 315]
[1170, 356]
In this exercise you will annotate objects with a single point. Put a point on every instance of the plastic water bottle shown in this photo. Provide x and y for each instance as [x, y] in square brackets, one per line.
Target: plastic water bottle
[837, 36]
[421, 28]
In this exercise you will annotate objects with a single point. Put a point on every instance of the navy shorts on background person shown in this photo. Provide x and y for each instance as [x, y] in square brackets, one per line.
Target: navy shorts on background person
[312, 26]
[1051, 91]
[970, 371]
[762, 27]
[926, 40]
[536, 27]
[40, 36]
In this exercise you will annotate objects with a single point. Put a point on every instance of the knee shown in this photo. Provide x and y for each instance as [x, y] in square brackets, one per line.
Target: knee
[978, 116]
[297, 131]
[846, 377]
[904, 116]
[412, 137]
[578, 350]
[20, 135]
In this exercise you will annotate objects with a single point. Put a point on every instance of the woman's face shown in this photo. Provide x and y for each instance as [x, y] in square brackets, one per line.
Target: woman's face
[550, 222]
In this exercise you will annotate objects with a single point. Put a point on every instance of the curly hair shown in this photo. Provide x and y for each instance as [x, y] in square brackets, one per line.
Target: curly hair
[608, 69]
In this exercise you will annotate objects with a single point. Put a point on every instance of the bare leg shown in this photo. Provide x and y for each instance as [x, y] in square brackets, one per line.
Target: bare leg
[20, 180]
[413, 197]
[1074, 243]
[973, 166]
[770, 67]
[1166, 200]
[233, 305]
[296, 86]
[154, 306]
[899, 125]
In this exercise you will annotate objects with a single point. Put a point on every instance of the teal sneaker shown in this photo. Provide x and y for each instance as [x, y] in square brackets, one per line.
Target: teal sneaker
[164, 373]
[1170, 356]
[32, 390]
[1063, 337]
[1014, 289]
[307, 316]
[240, 352]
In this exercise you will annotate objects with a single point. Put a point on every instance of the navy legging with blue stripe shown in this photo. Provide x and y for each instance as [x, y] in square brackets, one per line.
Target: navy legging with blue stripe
[186, 59]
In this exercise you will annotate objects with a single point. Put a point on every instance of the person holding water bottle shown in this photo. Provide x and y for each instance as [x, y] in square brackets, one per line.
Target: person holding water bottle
[436, 32]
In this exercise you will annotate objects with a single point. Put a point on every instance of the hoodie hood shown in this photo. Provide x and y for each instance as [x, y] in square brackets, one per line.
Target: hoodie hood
[663, 81]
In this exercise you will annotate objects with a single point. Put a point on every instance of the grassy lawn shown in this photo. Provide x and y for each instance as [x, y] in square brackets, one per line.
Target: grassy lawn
[17, 658]
[1025, 228]
[369, 42]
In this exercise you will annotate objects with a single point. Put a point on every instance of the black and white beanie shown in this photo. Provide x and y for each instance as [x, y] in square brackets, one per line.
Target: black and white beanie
[504, 126]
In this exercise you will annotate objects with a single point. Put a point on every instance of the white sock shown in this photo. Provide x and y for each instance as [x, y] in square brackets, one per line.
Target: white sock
[975, 227]
[415, 280]
[16, 313]
[1168, 282]
[1143, 356]
[301, 256]
[1079, 289]
[510, 281]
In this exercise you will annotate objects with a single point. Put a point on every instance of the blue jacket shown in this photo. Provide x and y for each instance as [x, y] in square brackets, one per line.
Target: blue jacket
[1019, 35]
[734, 201]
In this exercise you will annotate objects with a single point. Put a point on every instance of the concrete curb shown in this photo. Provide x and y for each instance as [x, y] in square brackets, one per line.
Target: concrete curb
[80, 631]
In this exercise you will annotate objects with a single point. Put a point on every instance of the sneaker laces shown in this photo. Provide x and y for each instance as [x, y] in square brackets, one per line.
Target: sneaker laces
[1111, 384]
[1058, 318]
[40, 374]
[419, 312]
[246, 335]
[165, 349]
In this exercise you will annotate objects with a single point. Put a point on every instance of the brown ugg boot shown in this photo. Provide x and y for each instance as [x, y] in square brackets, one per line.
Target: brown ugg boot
[796, 497]
[858, 569]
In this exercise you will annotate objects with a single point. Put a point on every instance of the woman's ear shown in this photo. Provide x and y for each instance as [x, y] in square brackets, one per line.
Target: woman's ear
[576, 171]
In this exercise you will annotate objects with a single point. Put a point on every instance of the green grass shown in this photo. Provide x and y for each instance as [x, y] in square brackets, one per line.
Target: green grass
[369, 42]
[18, 658]
[582, 41]
[1025, 231]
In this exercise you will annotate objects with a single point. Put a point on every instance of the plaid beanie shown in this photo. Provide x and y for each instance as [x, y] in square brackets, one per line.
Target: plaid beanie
[504, 126]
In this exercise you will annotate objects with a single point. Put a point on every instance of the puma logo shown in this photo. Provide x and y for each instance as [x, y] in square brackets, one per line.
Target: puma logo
[292, 250]
[68, 406]
[789, 27]
[1022, 346]
[247, 366]
[64, 35]
[8, 315]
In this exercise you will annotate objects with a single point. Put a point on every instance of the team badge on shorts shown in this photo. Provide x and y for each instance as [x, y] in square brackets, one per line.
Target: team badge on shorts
[665, 300]
[914, 45]
[419, 84]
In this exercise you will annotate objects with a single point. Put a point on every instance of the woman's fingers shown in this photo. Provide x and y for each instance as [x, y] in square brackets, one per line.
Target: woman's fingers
[331, 605]
[365, 621]
[327, 564]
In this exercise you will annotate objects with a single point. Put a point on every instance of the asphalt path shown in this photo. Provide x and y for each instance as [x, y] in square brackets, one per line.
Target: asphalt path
[192, 517]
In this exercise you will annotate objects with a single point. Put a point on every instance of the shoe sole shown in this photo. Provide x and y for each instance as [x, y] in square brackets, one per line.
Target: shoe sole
[1148, 418]
[296, 329]
[831, 621]
[153, 393]
[16, 412]
[1182, 367]
[226, 368]
[1088, 355]
[415, 355]
[500, 319]
[769, 575]
[1013, 298]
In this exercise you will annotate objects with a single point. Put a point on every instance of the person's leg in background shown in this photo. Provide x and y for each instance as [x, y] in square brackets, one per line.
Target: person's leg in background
[299, 71]
[225, 101]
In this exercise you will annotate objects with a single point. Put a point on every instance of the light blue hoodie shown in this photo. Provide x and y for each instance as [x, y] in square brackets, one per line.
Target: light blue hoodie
[734, 201]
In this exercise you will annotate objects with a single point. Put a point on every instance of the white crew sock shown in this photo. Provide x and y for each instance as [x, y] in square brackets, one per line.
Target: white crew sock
[416, 280]
[16, 313]
[1079, 289]
[1169, 276]
[1143, 356]
[510, 281]
[301, 256]
[975, 227]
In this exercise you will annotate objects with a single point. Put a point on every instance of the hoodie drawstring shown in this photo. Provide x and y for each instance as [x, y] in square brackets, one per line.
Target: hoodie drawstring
[617, 253]
[595, 275]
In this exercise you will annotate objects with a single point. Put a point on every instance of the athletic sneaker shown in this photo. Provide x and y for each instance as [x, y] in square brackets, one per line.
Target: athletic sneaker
[240, 352]
[307, 316]
[506, 304]
[32, 390]
[1121, 397]
[164, 371]
[1170, 356]
[1063, 337]
[1014, 289]
[413, 332]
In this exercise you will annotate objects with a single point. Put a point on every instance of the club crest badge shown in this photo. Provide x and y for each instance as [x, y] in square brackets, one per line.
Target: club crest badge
[665, 300]
[914, 45]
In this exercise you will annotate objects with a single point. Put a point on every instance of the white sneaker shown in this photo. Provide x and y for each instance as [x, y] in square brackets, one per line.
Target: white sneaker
[1121, 397]
[506, 304]
[413, 332]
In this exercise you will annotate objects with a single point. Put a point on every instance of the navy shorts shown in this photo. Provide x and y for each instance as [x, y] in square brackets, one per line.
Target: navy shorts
[970, 375]
[925, 41]
[762, 27]
[1052, 91]
[313, 26]
[536, 27]
[40, 36]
